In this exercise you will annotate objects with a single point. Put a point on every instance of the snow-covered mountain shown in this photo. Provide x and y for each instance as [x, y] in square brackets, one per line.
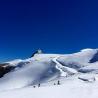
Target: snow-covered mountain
[78, 69]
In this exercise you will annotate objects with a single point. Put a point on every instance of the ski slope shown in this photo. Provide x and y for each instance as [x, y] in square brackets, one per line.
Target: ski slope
[78, 76]
[72, 88]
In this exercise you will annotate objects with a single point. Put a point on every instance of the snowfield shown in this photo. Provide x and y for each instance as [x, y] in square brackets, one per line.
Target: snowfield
[38, 76]
[70, 89]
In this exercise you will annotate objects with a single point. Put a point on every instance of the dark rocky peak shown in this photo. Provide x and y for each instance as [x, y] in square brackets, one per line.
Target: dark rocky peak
[39, 51]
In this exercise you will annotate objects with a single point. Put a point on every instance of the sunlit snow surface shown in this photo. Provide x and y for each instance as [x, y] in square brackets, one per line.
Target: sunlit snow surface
[78, 77]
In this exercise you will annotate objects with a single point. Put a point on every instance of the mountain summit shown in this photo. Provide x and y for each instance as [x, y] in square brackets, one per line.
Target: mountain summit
[39, 51]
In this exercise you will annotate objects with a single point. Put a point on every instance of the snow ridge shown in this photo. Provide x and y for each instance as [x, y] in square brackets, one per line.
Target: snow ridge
[43, 68]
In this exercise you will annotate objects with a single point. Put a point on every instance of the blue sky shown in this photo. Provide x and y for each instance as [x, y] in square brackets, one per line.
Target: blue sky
[63, 26]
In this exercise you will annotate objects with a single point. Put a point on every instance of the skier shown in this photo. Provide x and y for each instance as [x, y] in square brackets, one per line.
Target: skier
[54, 84]
[39, 85]
[58, 83]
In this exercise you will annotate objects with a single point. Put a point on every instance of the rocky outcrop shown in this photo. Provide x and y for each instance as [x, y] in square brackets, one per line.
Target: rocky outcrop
[95, 58]
[5, 68]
